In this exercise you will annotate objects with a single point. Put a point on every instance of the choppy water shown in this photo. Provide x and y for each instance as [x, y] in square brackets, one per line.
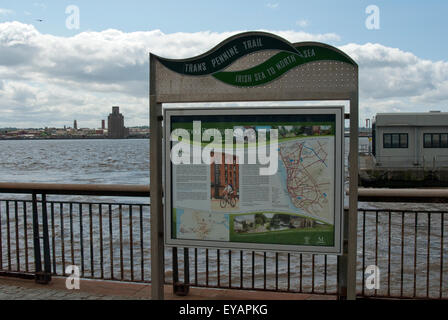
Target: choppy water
[127, 162]
[75, 161]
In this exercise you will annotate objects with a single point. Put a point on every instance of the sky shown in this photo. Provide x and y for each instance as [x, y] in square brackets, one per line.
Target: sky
[55, 68]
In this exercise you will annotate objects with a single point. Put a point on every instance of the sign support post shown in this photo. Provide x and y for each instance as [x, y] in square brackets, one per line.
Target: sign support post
[347, 261]
[156, 193]
[353, 198]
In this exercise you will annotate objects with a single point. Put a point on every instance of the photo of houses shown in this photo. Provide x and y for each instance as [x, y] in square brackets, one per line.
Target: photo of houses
[304, 130]
[266, 222]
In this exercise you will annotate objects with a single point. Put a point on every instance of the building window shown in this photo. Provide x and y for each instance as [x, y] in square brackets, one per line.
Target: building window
[435, 140]
[444, 140]
[395, 140]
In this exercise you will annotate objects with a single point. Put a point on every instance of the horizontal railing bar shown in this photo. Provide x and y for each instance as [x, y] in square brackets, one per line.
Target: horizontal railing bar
[17, 274]
[96, 203]
[201, 285]
[80, 202]
[439, 192]
[360, 211]
[364, 194]
[403, 195]
[77, 189]
[383, 211]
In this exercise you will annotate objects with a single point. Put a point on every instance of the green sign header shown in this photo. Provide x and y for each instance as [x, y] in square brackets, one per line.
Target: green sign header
[289, 57]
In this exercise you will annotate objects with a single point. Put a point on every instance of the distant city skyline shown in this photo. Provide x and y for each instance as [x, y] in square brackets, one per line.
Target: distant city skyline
[76, 124]
[56, 66]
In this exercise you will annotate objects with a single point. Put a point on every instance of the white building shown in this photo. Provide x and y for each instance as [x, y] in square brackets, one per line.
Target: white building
[405, 140]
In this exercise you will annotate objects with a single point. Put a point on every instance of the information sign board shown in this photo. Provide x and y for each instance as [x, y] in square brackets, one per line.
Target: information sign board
[266, 178]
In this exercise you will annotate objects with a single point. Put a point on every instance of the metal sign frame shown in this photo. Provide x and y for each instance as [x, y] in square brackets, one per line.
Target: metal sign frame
[307, 71]
[338, 205]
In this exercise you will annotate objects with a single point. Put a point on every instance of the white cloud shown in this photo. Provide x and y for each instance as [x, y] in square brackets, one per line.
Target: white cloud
[49, 80]
[391, 79]
[303, 23]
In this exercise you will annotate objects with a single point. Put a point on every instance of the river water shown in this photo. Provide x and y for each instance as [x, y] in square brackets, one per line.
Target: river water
[127, 162]
[75, 161]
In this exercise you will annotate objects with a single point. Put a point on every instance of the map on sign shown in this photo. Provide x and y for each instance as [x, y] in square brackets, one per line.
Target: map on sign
[309, 174]
[230, 200]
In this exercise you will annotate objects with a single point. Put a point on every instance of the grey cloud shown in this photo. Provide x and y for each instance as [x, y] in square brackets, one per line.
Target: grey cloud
[17, 55]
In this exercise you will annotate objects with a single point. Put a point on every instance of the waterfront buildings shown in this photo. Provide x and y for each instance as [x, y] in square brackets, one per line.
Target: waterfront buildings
[116, 123]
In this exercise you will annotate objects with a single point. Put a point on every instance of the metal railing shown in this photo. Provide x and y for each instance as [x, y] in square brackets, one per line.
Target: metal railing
[93, 236]
[110, 240]
[408, 247]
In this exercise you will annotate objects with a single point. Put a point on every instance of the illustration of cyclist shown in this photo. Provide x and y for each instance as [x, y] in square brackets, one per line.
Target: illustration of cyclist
[228, 192]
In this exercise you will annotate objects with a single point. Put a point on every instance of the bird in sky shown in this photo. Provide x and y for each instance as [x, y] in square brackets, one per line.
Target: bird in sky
[40, 20]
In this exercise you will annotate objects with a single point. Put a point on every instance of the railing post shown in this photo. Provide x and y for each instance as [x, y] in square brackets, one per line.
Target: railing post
[181, 289]
[36, 239]
[42, 277]
[175, 268]
[46, 240]
[186, 271]
[342, 264]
